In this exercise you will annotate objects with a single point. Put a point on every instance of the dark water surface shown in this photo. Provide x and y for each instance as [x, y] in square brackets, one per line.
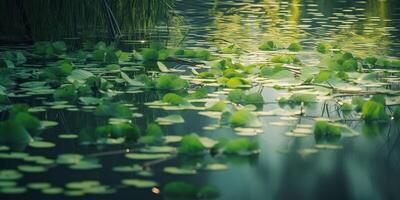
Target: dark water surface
[364, 167]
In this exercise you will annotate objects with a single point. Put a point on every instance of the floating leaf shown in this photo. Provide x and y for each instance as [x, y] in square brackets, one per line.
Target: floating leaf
[171, 82]
[191, 145]
[296, 47]
[139, 183]
[179, 171]
[244, 118]
[9, 174]
[128, 168]
[241, 146]
[42, 144]
[146, 156]
[32, 168]
[170, 119]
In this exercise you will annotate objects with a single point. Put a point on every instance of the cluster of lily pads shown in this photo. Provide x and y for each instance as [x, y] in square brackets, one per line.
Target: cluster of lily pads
[95, 78]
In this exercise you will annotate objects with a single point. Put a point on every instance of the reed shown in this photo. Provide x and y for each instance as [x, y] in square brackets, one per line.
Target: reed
[55, 19]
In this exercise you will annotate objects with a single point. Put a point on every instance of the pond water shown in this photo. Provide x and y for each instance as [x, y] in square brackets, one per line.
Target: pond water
[292, 163]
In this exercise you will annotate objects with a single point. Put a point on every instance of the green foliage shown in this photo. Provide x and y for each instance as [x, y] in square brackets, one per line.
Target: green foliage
[382, 62]
[143, 78]
[296, 47]
[324, 48]
[346, 108]
[254, 98]
[232, 49]
[241, 146]
[191, 145]
[4, 99]
[231, 73]
[11, 58]
[126, 130]
[171, 82]
[150, 54]
[207, 192]
[374, 111]
[241, 118]
[28, 122]
[370, 60]
[184, 190]
[66, 93]
[155, 130]
[379, 98]
[396, 113]
[285, 59]
[6, 63]
[326, 130]
[270, 46]
[107, 109]
[154, 134]
[350, 65]
[206, 74]
[57, 73]
[298, 98]
[199, 93]
[173, 99]
[358, 102]
[217, 107]
[234, 82]
[19, 128]
[203, 55]
[180, 189]
[323, 76]
[239, 96]
[236, 96]
[105, 54]
[59, 47]
[339, 61]
[48, 50]
[11, 133]
[267, 71]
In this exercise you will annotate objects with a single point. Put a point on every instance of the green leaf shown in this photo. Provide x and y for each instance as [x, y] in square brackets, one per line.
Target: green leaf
[296, 47]
[191, 145]
[79, 75]
[323, 48]
[373, 111]
[139, 183]
[241, 146]
[131, 81]
[171, 82]
[173, 99]
[179, 171]
[325, 130]
[244, 118]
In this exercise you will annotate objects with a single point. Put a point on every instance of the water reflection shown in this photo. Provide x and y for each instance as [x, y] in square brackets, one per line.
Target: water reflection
[365, 165]
[367, 27]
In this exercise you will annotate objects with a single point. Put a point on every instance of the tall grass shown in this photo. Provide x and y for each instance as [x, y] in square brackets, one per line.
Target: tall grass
[55, 19]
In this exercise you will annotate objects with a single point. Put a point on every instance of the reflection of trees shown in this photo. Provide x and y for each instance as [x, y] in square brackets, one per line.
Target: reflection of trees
[369, 35]
[264, 20]
[359, 28]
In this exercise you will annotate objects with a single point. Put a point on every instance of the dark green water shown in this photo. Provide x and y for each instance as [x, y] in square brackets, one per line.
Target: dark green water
[364, 167]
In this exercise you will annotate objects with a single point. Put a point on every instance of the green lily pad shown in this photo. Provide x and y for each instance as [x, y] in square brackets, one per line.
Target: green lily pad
[13, 190]
[38, 185]
[32, 168]
[146, 156]
[128, 168]
[180, 171]
[9, 174]
[139, 183]
[52, 190]
[42, 144]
